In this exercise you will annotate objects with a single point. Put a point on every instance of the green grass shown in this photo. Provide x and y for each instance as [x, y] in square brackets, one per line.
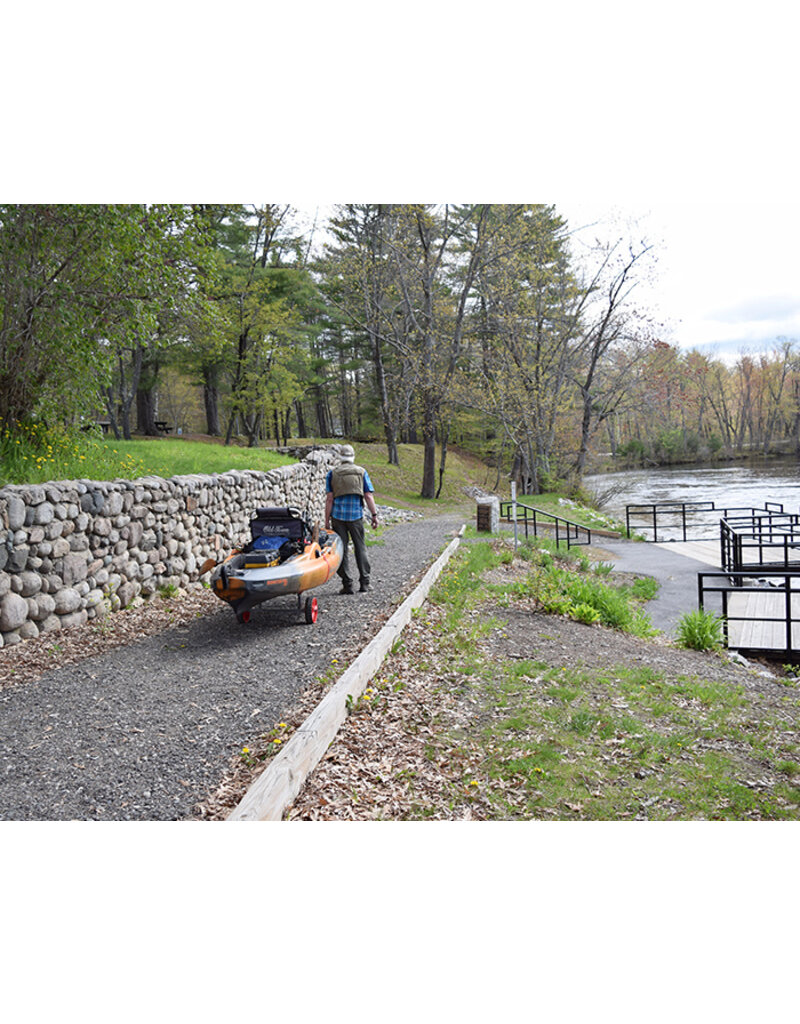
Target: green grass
[575, 511]
[620, 742]
[33, 455]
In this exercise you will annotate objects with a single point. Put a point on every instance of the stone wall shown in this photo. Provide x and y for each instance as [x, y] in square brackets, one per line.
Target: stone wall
[74, 550]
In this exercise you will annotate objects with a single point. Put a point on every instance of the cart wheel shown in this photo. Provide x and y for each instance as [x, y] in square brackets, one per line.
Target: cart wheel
[312, 609]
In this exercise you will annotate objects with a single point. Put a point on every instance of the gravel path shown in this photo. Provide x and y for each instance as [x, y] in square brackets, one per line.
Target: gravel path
[146, 731]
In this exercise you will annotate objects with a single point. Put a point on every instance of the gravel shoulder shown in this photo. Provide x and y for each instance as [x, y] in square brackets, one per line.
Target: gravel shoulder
[143, 716]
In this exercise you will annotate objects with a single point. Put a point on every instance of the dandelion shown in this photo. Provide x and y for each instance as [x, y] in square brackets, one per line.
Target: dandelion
[281, 725]
[277, 740]
[245, 750]
[474, 782]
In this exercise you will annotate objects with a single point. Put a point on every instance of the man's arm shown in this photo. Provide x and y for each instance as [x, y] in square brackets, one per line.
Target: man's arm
[368, 498]
[328, 509]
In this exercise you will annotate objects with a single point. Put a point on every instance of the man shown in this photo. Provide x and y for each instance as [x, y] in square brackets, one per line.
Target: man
[347, 488]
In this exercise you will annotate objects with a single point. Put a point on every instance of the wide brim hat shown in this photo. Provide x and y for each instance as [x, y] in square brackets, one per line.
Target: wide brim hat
[346, 453]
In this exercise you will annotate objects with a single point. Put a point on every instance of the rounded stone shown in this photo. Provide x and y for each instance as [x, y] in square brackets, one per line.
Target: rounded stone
[31, 583]
[13, 612]
[67, 601]
[28, 630]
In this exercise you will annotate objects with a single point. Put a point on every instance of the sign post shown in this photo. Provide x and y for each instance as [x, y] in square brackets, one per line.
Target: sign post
[514, 510]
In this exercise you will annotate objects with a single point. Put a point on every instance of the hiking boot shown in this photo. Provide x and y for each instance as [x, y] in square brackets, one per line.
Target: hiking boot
[346, 589]
[364, 586]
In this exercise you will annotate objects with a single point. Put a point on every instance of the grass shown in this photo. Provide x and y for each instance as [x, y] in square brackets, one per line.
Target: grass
[700, 630]
[34, 455]
[575, 511]
[611, 743]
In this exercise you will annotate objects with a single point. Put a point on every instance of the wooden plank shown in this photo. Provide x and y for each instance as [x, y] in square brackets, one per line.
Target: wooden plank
[705, 551]
[756, 633]
[284, 777]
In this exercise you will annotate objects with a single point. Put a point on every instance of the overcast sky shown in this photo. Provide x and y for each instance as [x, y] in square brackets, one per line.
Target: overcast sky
[725, 276]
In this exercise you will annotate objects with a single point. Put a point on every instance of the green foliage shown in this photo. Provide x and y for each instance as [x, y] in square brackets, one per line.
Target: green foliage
[700, 630]
[80, 284]
[34, 455]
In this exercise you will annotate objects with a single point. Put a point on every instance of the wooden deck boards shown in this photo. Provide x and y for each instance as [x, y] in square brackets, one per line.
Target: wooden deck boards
[705, 551]
[757, 633]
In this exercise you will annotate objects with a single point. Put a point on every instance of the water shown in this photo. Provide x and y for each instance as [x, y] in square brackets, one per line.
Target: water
[749, 483]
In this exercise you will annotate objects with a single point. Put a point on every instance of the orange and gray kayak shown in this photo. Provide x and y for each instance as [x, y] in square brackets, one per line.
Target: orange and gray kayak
[285, 556]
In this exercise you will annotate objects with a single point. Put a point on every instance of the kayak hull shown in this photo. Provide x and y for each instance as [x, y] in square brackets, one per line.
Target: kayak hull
[244, 580]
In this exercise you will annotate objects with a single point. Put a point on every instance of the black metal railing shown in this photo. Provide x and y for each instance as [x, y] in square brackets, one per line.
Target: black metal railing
[782, 602]
[533, 519]
[760, 542]
[686, 517]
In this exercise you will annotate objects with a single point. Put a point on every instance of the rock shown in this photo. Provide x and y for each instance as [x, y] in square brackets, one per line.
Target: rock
[18, 559]
[44, 514]
[16, 512]
[79, 618]
[13, 612]
[75, 568]
[67, 601]
[52, 624]
[5, 583]
[60, 547]
[28, 630]
[31, 583]
[45, 606]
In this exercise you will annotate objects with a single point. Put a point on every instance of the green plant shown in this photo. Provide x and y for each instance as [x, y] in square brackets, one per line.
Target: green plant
[585, 613]
[700, 631]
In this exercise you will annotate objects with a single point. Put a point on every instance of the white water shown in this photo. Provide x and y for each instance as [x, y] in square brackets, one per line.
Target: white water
[750, 484]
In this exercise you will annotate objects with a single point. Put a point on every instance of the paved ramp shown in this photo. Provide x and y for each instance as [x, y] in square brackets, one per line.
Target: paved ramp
[674, 565]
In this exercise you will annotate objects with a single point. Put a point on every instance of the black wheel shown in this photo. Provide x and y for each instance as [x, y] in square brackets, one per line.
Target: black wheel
[312, 610]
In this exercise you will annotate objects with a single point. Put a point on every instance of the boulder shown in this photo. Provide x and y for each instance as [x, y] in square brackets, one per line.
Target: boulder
[13, 612]
[67, 601]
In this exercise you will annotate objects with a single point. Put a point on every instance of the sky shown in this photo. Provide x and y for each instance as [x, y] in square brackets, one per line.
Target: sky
[725, 276]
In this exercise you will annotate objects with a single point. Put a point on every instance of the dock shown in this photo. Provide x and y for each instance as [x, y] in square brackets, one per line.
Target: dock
[758, 619]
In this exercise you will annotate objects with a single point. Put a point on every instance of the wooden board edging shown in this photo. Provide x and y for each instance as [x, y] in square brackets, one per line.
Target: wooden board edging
[284, 777]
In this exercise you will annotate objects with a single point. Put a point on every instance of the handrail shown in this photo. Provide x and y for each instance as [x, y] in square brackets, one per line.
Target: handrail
[775, 536]
[687, 509]
[570, 538]
[754, 582]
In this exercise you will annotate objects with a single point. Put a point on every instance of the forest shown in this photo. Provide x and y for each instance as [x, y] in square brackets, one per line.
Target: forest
[483, 326]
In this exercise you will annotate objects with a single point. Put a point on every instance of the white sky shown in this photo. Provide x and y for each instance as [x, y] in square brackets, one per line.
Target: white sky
[726, 274]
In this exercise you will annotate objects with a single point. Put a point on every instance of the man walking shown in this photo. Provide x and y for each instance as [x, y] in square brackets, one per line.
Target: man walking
[347, 488]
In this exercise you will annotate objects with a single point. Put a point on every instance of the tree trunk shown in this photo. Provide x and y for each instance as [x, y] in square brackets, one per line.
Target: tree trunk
[301, 422]
[211, 400]
[146, 412]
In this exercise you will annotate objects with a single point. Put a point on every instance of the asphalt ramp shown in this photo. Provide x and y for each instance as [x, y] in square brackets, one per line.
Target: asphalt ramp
[675, 573]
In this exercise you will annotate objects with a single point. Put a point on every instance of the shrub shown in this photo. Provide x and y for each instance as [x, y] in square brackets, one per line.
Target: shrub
[700, 631]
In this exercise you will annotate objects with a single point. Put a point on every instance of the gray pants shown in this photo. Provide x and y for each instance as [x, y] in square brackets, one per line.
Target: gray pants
[352, 529]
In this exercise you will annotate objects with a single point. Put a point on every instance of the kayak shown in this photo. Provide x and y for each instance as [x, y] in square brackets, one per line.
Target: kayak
[285, 556]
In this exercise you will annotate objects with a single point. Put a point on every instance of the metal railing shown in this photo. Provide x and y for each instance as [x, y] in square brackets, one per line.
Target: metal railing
[769, 541]
[782, 586]
[534, 518]
[687, 515]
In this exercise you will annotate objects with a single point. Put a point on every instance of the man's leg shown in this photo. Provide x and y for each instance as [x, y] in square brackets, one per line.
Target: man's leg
[340, 526]
[360, 548]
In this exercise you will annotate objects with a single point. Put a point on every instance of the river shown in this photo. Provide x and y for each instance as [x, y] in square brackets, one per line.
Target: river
[750, 483]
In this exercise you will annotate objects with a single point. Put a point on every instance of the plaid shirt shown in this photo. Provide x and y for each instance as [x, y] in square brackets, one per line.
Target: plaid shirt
[348, 506]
